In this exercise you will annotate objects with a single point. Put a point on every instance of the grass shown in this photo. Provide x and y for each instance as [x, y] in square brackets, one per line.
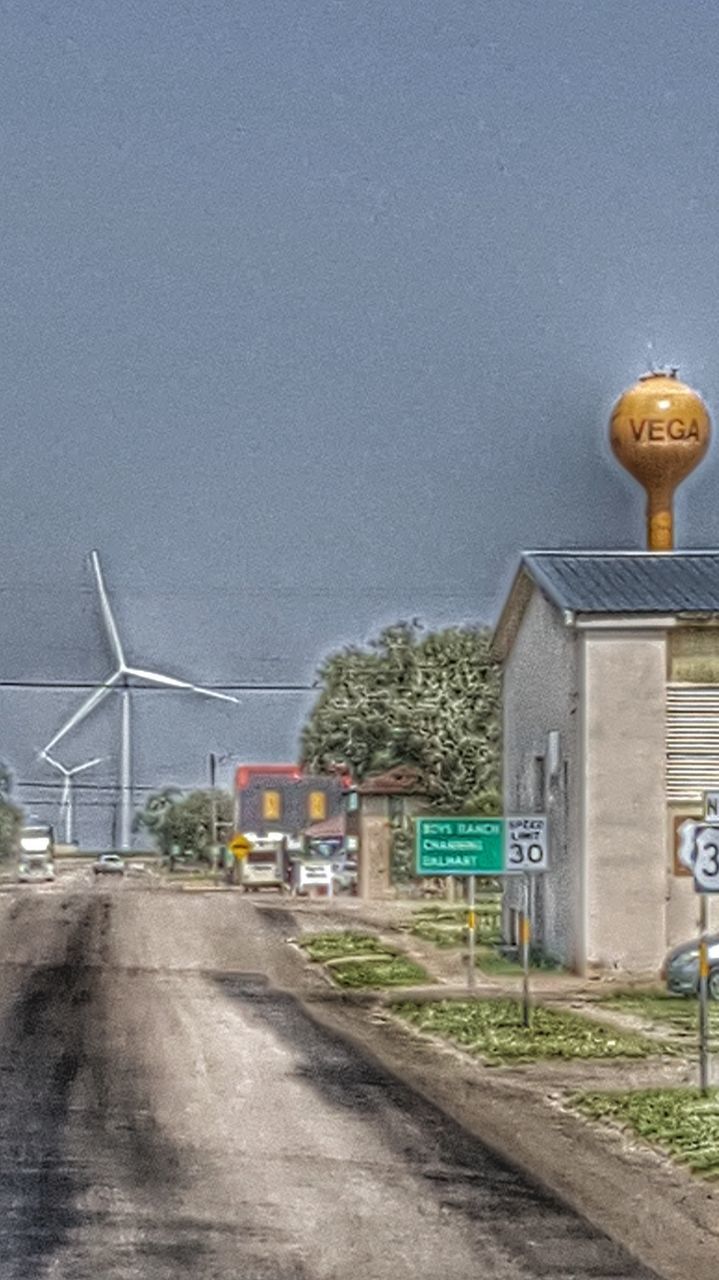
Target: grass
[333, 946]
[493, 1029]
[445, 925]
[378, 971]
[679, 1121]
[357, 960]
[678, 1013]
[441, 933]
[492, 961]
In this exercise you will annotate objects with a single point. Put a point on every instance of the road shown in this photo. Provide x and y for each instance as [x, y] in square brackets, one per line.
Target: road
[168, 1109]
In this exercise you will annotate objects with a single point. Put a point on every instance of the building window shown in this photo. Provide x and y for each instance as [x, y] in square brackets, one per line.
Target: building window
[317, 806]
[271, 806]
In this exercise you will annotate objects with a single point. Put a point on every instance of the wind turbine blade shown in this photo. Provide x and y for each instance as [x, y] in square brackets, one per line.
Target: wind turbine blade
[80, 768]
[108, 617]
[88, 705]
[55, 763]
[153, 677]
[65, 793]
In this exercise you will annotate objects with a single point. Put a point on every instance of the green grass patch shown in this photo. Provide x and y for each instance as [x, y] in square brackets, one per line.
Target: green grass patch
[379, 971]
[441, 932]
[680, 1014]
[494, 962]
[445, 926]
[680, 1121]
[493, 1029]
[333, 946]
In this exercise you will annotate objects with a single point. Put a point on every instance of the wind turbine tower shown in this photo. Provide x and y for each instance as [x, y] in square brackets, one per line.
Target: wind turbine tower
[121, 679]
[67, 801]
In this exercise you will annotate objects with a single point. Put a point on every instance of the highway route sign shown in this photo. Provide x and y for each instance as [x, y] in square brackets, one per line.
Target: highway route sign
[463, 846]
[525, 844]
[699, 852]
[706, 859]
[240, 846]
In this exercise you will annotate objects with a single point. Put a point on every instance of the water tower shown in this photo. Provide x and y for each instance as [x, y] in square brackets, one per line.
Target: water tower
[660, 432]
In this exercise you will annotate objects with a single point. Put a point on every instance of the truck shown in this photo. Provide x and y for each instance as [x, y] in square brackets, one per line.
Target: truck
[265, 866]
[37, 853]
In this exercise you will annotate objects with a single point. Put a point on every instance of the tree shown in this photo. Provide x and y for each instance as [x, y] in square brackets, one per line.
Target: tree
[10, 816]
[182, 822]
[430, 700]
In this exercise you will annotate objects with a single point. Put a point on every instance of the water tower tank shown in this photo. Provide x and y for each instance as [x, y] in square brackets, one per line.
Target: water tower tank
[660, 431]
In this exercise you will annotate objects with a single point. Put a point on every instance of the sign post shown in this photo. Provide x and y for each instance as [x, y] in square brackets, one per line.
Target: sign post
[471, 925]
[473, 847]
[525, 933]
[703, 996]
[701, 849]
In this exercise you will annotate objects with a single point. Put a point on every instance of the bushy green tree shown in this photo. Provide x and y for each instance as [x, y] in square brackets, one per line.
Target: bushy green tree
[10, 816]
[181, 822]
[430, 700]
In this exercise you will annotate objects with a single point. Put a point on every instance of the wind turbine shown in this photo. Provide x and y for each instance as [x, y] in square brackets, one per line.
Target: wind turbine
[121, 679]
[67, 805]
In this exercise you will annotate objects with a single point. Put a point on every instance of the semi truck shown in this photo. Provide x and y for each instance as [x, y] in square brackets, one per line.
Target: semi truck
[37, 853]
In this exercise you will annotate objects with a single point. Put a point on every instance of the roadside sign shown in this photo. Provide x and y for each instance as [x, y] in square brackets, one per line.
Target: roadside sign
[525, 844]
[463, 846]
[240, 846]
[711, 805]
[706, 857]
[313, 875]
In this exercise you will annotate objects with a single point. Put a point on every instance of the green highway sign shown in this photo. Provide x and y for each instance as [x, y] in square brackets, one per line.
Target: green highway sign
[459, 846]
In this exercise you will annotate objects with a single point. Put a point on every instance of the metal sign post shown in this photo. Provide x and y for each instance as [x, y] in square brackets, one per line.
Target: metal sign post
[700, 850]
[526, 852]
[525, 933]
[704, 997]
[471, 922]
[472, 846]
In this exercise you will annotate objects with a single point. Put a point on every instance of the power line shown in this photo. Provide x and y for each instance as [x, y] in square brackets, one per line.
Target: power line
[150, 688]
[109, 786]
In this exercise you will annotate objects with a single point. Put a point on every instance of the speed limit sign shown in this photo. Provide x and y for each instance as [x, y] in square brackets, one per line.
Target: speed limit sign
[525, 844]
[705, 857]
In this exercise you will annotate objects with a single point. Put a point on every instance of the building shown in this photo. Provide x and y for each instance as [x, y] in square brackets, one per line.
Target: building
[281, 799]
[378, 806]
[611, 726]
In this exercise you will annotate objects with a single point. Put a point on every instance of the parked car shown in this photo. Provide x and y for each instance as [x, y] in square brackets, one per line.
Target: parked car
[109, 864]
[681, 968]
[344, 875]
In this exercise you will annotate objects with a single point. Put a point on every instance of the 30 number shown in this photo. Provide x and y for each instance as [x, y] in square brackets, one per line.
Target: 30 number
[534, 853]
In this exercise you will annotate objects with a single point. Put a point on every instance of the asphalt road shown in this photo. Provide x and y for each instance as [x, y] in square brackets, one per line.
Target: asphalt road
[168, 1110]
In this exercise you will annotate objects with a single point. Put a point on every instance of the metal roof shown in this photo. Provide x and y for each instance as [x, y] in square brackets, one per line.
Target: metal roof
[627, 581]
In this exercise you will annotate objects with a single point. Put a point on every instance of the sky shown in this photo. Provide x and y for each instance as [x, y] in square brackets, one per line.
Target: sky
[313, 315]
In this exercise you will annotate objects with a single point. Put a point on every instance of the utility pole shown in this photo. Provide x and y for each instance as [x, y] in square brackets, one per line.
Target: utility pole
[213, 811]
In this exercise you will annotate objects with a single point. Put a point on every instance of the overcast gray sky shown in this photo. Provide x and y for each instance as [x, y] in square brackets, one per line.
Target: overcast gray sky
[312, 317]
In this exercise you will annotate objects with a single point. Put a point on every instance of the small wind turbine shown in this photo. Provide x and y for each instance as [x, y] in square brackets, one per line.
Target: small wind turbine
[121, 678]
[67, 801]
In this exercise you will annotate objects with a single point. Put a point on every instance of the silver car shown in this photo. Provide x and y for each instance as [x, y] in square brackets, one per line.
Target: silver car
[681, 968]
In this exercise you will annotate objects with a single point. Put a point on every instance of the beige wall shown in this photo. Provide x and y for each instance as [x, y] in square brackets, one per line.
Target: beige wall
[539, 696]
[375, 847]
[624, 814]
